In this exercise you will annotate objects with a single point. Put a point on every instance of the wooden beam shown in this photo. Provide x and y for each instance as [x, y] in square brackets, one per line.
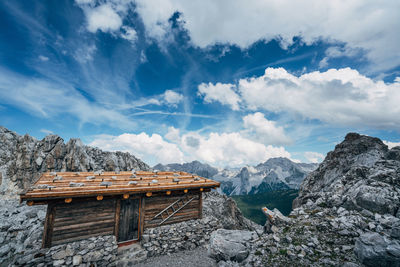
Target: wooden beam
[117, 216]
[200, 205]
[48, 226]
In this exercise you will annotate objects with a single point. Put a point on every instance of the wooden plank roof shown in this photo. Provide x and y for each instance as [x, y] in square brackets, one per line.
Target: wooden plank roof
[53, 185]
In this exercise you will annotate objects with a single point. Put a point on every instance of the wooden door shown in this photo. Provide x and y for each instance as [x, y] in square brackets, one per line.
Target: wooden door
[129, 220]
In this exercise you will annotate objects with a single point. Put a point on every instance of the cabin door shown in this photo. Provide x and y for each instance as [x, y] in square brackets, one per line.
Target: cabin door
[129, 220]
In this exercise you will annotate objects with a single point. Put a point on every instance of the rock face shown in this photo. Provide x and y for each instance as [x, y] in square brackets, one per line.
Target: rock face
[274, 174]
[360, 174]
[23, 159]
[197, 167]
[347, 212]
[374, 249]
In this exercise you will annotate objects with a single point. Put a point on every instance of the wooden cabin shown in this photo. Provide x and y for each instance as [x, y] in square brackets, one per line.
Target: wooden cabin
[87, 204]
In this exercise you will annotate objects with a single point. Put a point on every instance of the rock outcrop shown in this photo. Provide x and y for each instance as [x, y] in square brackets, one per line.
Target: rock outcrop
[346, 214]
[24, 158]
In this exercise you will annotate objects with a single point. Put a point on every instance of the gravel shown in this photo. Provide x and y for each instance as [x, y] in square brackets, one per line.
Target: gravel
[193, 258]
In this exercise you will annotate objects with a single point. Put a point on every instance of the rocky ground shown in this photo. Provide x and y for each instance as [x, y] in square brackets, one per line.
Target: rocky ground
[193, 258]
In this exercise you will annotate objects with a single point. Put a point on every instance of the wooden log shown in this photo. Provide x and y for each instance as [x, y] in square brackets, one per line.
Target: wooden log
[68, 200]
[99, 197]
[200, 205]
[117, 217]
[142, 216]
[148, 194]
[48, 226]
[125, 196]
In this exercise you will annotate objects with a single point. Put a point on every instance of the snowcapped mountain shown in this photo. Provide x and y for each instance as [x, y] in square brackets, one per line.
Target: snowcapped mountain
[274, 174]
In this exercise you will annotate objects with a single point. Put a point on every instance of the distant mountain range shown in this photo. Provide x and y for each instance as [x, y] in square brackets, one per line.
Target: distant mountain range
[274, 174]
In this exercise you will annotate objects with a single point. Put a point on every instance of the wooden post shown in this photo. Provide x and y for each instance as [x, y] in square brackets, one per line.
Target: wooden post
[48, 226]
[141, 216]
[200, 205]
[117, 216]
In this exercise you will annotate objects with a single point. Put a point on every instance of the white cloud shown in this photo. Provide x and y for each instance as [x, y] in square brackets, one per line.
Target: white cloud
[341, 97]
[314, 157]
[218, 149]
[172, 98]
[223, 93]
[129, 33]
[265, 130]
[391, 144]
[168, 98]
[369, 25]
[45, 131]
[43, 58]
[103, 18]
[151, 149]
[85, 53]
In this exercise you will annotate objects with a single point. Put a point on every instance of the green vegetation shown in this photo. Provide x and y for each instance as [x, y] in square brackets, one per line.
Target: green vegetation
[251, 205]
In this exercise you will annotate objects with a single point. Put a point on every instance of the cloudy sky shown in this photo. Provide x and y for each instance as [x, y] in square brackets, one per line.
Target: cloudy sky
[224, 82]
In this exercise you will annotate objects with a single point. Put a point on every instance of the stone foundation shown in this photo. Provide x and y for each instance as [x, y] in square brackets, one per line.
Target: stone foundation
[180, 236]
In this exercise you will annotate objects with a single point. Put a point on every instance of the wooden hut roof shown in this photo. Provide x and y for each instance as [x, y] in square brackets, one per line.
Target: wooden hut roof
[53, 185]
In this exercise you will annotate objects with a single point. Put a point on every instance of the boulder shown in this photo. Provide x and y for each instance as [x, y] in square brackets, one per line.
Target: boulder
[373, 249]
[230, 245]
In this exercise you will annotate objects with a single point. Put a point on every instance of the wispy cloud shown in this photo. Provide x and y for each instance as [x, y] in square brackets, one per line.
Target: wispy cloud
[45, 98]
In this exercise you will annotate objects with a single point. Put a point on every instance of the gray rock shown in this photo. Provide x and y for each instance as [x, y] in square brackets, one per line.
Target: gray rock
[230, 245]
[373, 249]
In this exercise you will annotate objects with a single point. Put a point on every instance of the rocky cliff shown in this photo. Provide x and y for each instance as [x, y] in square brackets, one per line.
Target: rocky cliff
[24, 158]
[346, 214]
[274, 174]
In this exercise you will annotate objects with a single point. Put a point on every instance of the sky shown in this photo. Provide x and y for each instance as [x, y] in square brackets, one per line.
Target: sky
[228, 83]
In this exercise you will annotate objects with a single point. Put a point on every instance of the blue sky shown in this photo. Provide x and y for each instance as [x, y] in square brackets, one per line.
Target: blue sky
[228, 83]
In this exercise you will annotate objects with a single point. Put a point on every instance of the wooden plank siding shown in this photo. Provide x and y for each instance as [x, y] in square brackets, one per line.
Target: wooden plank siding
[154, 205]
[81, 220]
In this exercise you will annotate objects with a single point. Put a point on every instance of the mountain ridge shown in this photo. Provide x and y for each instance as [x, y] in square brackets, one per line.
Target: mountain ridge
[23, 158]
[273, 174]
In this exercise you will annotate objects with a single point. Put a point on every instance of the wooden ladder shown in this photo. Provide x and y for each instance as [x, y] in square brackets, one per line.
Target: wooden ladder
[173, 208]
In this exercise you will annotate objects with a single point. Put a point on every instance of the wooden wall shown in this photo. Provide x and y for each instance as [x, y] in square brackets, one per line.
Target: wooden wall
[153, 205]
[78, 220]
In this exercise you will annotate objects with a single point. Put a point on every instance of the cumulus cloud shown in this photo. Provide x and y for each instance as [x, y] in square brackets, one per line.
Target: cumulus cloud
[391, 144]
[150, 148]
[369, 25]
[219, 149]
[265, 130]
[340, 97]
[172, 98]
[314, 157]
[103, 18]
[223, 93]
